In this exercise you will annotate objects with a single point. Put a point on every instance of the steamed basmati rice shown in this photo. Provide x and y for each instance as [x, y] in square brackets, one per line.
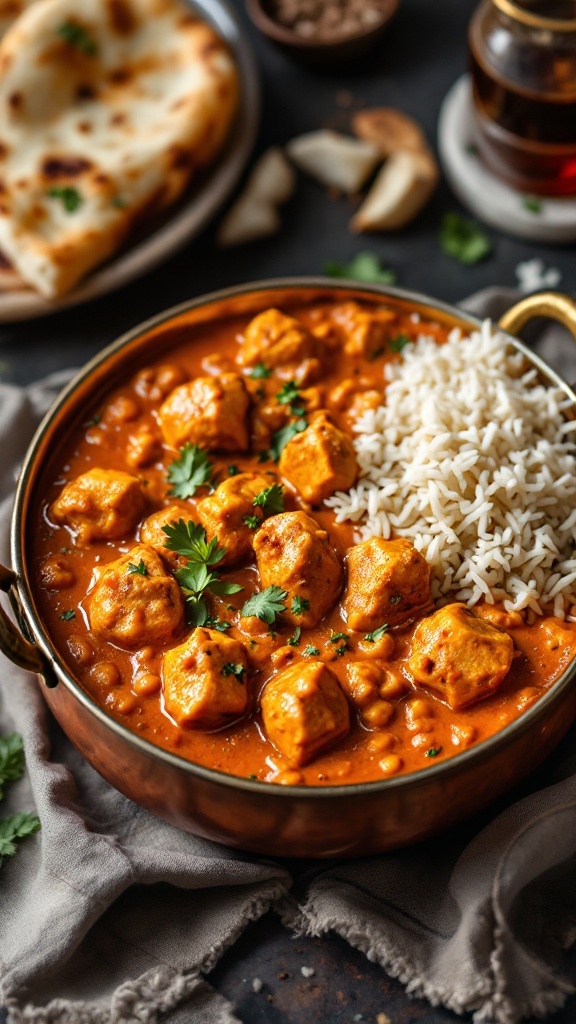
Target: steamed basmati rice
[473, 460]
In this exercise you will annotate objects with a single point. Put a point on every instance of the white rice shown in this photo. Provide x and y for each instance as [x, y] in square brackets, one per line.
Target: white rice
[472, 459]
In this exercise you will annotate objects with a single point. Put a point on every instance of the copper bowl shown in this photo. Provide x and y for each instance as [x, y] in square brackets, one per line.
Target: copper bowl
[337, 821]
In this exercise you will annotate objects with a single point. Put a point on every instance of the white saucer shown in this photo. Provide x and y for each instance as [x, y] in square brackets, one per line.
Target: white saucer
[489, 199]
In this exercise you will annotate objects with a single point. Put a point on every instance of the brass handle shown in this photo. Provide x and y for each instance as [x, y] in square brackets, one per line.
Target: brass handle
[549, 304]
[19, 650]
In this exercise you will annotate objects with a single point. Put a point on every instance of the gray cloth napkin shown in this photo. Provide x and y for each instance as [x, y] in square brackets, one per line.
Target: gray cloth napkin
[108, 915]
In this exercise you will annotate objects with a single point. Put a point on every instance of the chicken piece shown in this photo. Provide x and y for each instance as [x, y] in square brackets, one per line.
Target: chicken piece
[388, 581]
[295, 554]
[462, 657]
[204, 680]
[320, 460]
[155, 382]
[211, 412]
[144, 446]
[282, 341]
[151, 531]
[135, 602]
[366, 331]
[102, 504]
[56, 573]
[304, 711]
[224, 512]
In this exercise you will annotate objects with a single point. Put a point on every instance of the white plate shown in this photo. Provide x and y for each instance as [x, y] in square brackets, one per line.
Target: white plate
[190, 215]
[492, 201]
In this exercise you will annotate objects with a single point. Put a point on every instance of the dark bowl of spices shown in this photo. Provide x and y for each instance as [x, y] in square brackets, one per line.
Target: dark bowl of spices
[323, 31]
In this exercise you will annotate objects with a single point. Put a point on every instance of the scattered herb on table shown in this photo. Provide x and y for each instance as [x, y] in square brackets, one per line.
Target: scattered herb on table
[294, 640]
[76, 35]
[68, 196]
[399, 342]
[271, 499]
[265, 605]
[310, 651]
[471, 148]
[532, 203]
[300, 605]
[464, 240]
[18, 826]
[139, 569]
[281, 437]
[433, 752]
[365, 266]
[251, 521]
[198, 577]
[231, 669]
[376, 634]
[68, 615]
[191, 470]
[260, 372]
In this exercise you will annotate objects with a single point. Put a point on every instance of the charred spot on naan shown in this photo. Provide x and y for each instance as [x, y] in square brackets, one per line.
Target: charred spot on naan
[121, 17]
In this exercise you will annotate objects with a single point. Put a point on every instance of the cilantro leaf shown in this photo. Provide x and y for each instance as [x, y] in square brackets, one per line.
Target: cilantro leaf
[532, 203]
[294, 640]
[265, 605]
[68, 196]
[271, 499]
[17, 827]
[341, 650]
[335, 637]
[189, 540]
[74, 34]
[399, 342]
[68, 615]
[289, 392]
[140, 569]
[433, 752]
[300, 605]
[365, 266]
[281, 437]
[213, 623]
[11, 759]
[310, 651]
[464, 240]
[260, 372]
[252, 521]
[376, 634]
[191, 470]
[230, 669]
[233, 470]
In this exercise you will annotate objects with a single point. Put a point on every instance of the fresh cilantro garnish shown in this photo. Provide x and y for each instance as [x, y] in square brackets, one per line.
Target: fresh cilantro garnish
[399, 342]
[140, 568]
[365, 266]
[213, 623]
[77, 36]
[289, 394]
[265, 605]
[294, 640]
[281, 437]
[341, 650]
[17, 827]
[433, 752]
[233, 470]
[252, 521]
[191, 470]
[68, 196]
[271, 499]
[230, 669]
[532, 203]
[335, 637]
[252, 776]
[93, 422]
[68, 615]
[464, 239]
[471, 148]
[300, 605]
[189, 540]
[396, 599]
[310, 651]
[11, 759]
[260, 372]
[376, 634]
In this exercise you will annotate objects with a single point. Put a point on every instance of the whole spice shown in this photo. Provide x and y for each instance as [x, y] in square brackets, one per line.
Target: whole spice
[328, 19]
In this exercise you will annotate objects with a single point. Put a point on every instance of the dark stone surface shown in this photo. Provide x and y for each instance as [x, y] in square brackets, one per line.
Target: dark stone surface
[413, 67]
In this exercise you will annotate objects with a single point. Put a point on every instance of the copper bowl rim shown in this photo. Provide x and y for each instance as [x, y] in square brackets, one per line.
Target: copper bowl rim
[287, 37]
[482, 751]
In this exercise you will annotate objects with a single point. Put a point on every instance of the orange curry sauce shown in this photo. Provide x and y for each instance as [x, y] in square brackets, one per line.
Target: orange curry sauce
[418, 730]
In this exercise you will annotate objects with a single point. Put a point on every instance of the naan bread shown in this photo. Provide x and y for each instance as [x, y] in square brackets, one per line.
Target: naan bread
[107, 109]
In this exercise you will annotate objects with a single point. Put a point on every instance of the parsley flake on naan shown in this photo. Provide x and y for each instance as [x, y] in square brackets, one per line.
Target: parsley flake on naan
[108, 108]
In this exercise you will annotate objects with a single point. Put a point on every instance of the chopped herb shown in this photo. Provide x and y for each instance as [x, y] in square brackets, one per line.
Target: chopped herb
[11, 759]
[289, 394]
[396, 599]
[265, 605]
[335, 637]
[310, 651]
[300, 605]
[294, 640]
[399, 342]
[376, 634]
[433, 752]
[260, 372]
[252, 521]
[93, 422]
[69, 197]
[281, 437]
[118, 202]
[74, 34]
[220, 624]
[532, 203]
[264, 457]
[17, 827]
[191, 470]
[233, 470]
[252, 776]
[365, 266]
[140, 568]
[341, 650]
[189, 540]
[471, 148]
[230, 669]
[68, 615]
[271, 499]
[464, 239]
[196, 578]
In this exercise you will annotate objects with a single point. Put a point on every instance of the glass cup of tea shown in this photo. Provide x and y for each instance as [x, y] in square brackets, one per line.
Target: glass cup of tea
[523, 65]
